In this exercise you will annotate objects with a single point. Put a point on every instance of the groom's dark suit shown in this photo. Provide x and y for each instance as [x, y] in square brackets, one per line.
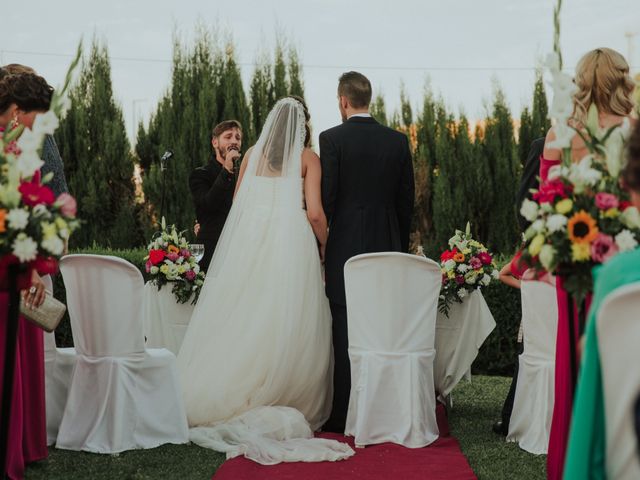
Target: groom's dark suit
[368, 195]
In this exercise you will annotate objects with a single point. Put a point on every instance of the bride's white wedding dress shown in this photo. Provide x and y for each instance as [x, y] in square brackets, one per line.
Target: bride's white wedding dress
[256, 362]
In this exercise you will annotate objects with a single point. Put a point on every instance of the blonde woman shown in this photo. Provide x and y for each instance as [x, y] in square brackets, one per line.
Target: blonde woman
[602, 79]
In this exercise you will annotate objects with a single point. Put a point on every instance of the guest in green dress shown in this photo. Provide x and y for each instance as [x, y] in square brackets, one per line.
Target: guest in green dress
[586, 457]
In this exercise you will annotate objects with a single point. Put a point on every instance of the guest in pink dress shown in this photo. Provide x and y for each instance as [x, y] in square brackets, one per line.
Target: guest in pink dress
[21, 98]
[602, 78]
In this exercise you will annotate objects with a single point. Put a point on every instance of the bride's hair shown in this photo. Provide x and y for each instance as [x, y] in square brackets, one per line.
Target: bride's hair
[307, 117]
[275, 144]
[602, 78]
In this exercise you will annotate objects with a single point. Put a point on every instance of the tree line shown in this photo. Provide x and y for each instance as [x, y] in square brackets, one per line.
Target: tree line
[463, 172]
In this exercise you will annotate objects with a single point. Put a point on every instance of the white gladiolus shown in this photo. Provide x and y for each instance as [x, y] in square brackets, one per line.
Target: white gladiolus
[538, 225]
[29, 141]
[462, 293]
[28, 163]
[45, 123]
[486, 279]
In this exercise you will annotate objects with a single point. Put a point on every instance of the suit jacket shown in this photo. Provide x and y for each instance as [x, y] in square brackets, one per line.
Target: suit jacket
[212, 188]
[529, 178]
[367, 194]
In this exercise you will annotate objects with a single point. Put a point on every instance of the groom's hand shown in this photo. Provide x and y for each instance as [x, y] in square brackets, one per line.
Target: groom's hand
[231, 156]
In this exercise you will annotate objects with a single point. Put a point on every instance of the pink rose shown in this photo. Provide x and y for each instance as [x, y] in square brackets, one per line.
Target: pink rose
[485, 258]
[147, 266]
[459, 279]
[173, 256]
[190, 275]
[475, 263]
[605, 201]
[185, 253]
[603, 248]
[67, 204]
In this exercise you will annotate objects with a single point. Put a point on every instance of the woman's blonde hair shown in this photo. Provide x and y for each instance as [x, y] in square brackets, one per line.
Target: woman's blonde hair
[602, 78]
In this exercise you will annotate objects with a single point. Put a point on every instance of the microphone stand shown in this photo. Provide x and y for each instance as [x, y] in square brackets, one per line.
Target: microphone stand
[163, 169]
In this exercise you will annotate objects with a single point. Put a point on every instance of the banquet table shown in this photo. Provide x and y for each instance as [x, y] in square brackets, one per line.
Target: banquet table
[458, 339]
[165, 320]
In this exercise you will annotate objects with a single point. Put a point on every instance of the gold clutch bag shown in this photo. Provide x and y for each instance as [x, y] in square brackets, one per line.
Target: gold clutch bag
[47, 316]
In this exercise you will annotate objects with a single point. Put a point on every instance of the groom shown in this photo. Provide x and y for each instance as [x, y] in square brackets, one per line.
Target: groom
[367, 195]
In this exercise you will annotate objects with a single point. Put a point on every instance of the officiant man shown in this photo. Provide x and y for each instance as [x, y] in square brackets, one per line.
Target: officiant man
[212, 186]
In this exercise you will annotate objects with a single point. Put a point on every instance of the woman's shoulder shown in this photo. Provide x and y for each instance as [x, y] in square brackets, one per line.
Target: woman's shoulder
[308, 155]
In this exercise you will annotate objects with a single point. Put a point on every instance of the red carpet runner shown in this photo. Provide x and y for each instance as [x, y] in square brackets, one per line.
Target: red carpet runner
[440, 460]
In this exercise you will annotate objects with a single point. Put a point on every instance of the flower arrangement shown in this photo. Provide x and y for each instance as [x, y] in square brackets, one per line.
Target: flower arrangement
[466, 266]
[581, 216]
[34, 225]
[170, 260]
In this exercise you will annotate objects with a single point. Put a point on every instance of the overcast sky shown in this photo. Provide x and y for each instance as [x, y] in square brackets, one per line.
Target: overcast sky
[459, 45]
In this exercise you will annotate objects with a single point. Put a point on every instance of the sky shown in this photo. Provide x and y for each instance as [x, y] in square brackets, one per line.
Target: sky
[460, 48]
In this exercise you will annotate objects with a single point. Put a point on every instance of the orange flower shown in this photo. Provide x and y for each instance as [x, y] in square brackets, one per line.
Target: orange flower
[582, 228]
[3, 217]
[459, 257]
[173, 249]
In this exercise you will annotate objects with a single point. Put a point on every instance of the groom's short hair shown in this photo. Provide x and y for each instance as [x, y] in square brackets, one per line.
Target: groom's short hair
[356, 87]
[222, 127]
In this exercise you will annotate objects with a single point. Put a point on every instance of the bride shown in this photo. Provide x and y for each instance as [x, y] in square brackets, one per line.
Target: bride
[256, 361]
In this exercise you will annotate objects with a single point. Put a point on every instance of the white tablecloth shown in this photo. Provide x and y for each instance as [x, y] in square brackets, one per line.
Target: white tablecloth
[458, 339]
[165, 320]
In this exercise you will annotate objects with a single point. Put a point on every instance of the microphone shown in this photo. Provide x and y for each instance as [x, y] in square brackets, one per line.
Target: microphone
[163, 160]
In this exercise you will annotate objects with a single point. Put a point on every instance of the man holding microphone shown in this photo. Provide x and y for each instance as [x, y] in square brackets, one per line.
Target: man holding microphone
[212, 186]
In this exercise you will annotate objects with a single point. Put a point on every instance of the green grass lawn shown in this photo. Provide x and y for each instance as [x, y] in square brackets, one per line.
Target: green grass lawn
[476, 406]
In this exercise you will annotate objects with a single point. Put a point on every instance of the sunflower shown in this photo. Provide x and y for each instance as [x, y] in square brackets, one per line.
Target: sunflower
[459, 257]
[582, 228]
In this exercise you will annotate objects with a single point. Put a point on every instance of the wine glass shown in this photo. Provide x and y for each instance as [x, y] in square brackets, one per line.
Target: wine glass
[197, 250]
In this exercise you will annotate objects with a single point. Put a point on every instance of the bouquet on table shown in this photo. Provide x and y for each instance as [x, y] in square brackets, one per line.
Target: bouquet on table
[466, 266]
[581, 216]
[170, 260]
[34, 225]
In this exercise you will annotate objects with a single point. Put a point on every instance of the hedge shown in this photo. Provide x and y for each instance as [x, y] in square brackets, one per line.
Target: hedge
[496, 357]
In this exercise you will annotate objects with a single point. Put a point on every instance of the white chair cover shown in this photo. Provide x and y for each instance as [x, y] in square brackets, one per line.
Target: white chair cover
[165, 320]
[458, 339]
[391, 309]
[530, 422]
[58, 369]
[618, 336]
[122, 396]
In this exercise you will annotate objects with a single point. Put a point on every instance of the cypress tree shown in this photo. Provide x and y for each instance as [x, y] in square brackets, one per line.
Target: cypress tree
[499, 153]
[296, 85]
[525, 136]
[378, 110]
[540, 122]
[280, 83]
[99, 165]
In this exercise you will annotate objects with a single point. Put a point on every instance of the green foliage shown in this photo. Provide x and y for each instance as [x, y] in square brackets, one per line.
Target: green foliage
[273, 80]
[504, 173]
[378, 110]
[99, 166]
